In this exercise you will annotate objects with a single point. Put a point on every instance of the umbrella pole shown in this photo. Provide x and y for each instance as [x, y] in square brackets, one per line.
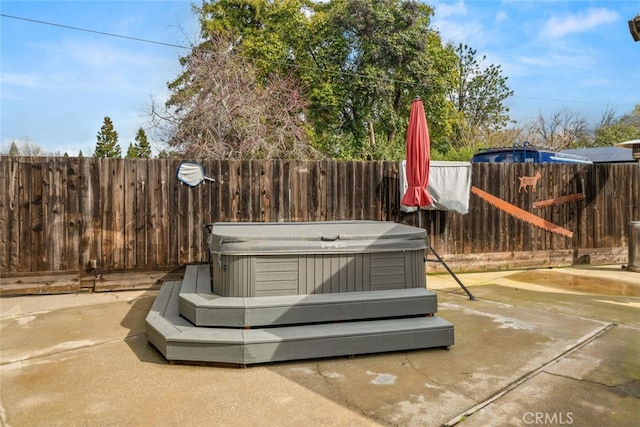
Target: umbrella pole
[441, 261]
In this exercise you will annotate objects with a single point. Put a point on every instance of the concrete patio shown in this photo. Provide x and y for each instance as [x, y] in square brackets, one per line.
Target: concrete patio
[536, 347]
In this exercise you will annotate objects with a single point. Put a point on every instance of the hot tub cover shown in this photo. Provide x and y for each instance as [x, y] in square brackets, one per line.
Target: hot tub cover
[270, 238]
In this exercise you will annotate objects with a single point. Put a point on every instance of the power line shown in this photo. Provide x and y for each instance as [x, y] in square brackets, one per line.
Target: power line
[567, 100]
[94, 31]
[282, 63]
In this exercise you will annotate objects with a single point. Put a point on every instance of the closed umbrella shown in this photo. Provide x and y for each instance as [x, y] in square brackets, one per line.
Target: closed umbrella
[417, 171]
[417, 166]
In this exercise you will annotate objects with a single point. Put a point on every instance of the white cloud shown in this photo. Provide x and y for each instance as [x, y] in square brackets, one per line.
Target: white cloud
[452, 22]
[559, 26]
[501, 16]
[562, 62]
[95, 55]
[20, 79]
[445, 10]
[456, 33]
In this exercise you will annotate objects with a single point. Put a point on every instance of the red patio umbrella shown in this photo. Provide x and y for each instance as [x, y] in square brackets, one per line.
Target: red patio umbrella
[417, 168]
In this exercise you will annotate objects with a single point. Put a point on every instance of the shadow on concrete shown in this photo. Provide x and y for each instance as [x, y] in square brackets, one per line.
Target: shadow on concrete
[136, 339]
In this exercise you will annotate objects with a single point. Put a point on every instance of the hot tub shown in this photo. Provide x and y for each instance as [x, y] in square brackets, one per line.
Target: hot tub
[301, 258]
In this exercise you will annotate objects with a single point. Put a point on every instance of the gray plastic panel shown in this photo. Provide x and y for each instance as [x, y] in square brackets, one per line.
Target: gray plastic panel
[177, 339]
[207, 309]
[274, 311]
[273, 275]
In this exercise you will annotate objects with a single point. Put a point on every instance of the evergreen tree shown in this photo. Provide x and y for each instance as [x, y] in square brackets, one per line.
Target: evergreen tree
[141, 148]
[107, 145]
[132, 151]
[14, 150]
[144, 149]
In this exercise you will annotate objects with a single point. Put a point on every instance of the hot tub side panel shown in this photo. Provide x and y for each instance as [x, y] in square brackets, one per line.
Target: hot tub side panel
[302, 274]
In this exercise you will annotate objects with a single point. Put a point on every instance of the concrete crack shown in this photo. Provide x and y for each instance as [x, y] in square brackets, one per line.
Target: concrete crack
[439, 384]
[58, 350]
[583, 342]
[618, 387]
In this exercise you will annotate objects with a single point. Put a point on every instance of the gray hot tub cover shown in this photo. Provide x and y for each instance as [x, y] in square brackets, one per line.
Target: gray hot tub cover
[270, 238]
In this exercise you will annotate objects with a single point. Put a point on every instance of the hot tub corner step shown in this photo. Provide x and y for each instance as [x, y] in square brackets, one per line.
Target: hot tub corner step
[213, 310]
[203, 308]
[179, 340]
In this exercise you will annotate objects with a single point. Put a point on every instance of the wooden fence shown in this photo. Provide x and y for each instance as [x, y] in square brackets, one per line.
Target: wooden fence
[75, 214]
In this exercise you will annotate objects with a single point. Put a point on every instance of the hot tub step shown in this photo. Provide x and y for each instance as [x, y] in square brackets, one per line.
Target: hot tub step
[179, 340]
[203, 308]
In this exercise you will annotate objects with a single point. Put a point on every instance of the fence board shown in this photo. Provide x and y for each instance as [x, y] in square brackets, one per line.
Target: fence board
[6, 214]
[58, 214]
[173, 210]
[55, 234]
[153, 201]
[273, 186]
[73, 219]
[246, 201]
[129, 212]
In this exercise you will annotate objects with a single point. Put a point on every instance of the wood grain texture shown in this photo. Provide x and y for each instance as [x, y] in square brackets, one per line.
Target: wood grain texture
[59, 213]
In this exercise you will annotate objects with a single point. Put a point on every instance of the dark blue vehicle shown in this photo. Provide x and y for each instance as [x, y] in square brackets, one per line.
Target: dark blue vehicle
[525, 153]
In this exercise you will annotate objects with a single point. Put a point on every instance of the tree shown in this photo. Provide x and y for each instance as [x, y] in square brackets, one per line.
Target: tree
[386, 55]
[25, 147]
[612, 130]
[107, 145]
[13, 150]
[360, 63]
[219, 109]
[132, 151]
[354, 66]
[140, 149]
[563, 129]
[478, 95]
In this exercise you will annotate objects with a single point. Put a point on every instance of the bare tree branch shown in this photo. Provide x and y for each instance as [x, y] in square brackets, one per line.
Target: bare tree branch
[563, 129]
[219, 109]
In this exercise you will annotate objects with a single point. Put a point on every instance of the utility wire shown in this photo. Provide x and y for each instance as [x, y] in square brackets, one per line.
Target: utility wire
[283, 63]
[94, 31]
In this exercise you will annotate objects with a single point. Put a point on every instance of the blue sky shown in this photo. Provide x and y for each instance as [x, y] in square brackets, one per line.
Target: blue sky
[57, 84]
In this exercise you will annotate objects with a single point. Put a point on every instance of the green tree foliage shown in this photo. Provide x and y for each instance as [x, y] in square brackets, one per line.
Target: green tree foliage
[385, 54]
[107, 145]
[169, 154]
[612, 130]
[358, 65]
[140, 149]
[478, 94]
[132, 151]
